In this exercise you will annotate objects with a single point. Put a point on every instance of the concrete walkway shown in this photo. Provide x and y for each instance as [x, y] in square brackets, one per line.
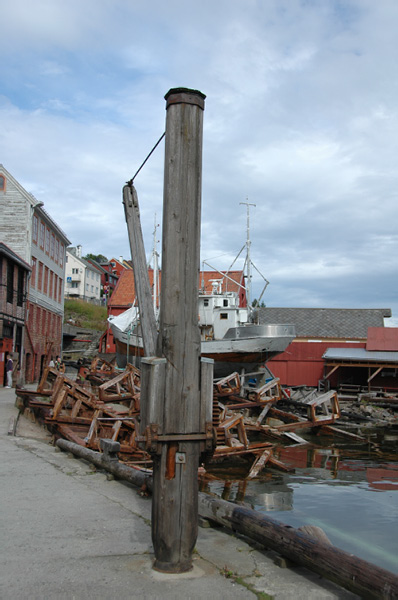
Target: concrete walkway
[69, 532]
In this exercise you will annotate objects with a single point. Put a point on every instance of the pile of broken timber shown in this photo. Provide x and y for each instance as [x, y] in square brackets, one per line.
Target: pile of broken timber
[104, 408]
[240, 411]
[246, 422]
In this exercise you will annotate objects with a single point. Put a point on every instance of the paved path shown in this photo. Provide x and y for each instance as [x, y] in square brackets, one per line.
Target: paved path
[69, 532]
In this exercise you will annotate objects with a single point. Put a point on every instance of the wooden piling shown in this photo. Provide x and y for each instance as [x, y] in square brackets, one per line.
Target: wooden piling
[175, 482]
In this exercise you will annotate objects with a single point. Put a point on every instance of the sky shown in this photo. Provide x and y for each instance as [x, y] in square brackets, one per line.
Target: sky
[300, 120]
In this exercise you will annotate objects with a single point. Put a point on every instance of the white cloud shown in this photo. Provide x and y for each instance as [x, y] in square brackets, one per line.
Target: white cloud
[301, 118]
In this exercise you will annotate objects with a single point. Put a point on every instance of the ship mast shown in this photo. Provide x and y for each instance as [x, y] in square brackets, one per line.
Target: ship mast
[248, 258]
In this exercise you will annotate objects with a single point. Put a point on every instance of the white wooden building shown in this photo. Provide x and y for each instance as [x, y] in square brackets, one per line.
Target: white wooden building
[83, 279]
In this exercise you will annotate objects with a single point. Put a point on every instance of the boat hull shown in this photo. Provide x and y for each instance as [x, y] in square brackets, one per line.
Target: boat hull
[242, 348]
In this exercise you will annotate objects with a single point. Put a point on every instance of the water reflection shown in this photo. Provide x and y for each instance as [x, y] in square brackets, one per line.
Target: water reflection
[346, 466]
[348, 491]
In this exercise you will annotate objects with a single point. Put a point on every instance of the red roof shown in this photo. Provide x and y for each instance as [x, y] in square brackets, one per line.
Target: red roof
[382, 339]
[124, 293]
[206, 278]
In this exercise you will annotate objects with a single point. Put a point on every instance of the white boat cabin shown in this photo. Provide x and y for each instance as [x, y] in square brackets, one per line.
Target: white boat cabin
[219, 311]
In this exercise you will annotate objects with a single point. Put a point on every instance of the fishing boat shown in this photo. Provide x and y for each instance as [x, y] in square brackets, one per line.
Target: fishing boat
[226, 320]
[227, 334]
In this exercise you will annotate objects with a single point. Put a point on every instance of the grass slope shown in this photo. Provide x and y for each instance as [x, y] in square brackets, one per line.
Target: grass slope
[84, 314]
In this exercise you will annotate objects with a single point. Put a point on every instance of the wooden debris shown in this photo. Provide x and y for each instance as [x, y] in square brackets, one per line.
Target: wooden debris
[106, 406]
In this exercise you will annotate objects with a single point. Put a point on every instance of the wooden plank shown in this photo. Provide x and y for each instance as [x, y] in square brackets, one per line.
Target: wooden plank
[374, 374]
[296, 438]
[318, 400]
[334, 430]
[263, 414]
[259, 463]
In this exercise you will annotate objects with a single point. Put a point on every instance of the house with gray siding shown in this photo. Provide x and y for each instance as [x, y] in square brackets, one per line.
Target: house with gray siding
[29, 231]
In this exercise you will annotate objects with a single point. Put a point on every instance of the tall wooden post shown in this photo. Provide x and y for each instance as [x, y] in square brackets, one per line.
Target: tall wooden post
[175, 469]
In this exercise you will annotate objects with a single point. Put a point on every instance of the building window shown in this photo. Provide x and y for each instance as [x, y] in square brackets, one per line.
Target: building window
[40, 277]
[42, 235]
[45, 285]
[18, 339]
[30, 316]
[8, 330]
[10, 281]
[37, 320]
[52, 250]
[2, 183]
[33, 276]
[20, 289]
[50, 291]
[35, 232]
[47, 240]
[56, 250]
[224, 316]
[61, 255]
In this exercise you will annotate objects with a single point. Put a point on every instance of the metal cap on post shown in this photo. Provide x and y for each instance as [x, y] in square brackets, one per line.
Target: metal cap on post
[185, 96]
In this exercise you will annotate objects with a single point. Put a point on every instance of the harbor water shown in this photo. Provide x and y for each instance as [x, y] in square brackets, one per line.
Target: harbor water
[349, 490]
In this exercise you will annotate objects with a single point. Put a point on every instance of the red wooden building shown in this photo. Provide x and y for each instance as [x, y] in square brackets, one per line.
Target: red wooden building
[319, 330]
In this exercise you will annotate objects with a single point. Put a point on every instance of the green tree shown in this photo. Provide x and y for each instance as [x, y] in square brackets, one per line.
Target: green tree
[99, 258]
[255, 303]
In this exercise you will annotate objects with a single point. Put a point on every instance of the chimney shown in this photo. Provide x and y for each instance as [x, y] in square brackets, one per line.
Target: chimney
[121, 259]
[79, 251]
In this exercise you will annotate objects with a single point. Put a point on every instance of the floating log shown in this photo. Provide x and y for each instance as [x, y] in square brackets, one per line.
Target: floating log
[119, 470]
[347, 570]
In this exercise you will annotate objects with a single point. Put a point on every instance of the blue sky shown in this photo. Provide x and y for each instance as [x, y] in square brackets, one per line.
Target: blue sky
[301, 119]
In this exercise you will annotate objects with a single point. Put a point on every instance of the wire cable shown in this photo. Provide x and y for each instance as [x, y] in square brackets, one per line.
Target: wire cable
[130, 183]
